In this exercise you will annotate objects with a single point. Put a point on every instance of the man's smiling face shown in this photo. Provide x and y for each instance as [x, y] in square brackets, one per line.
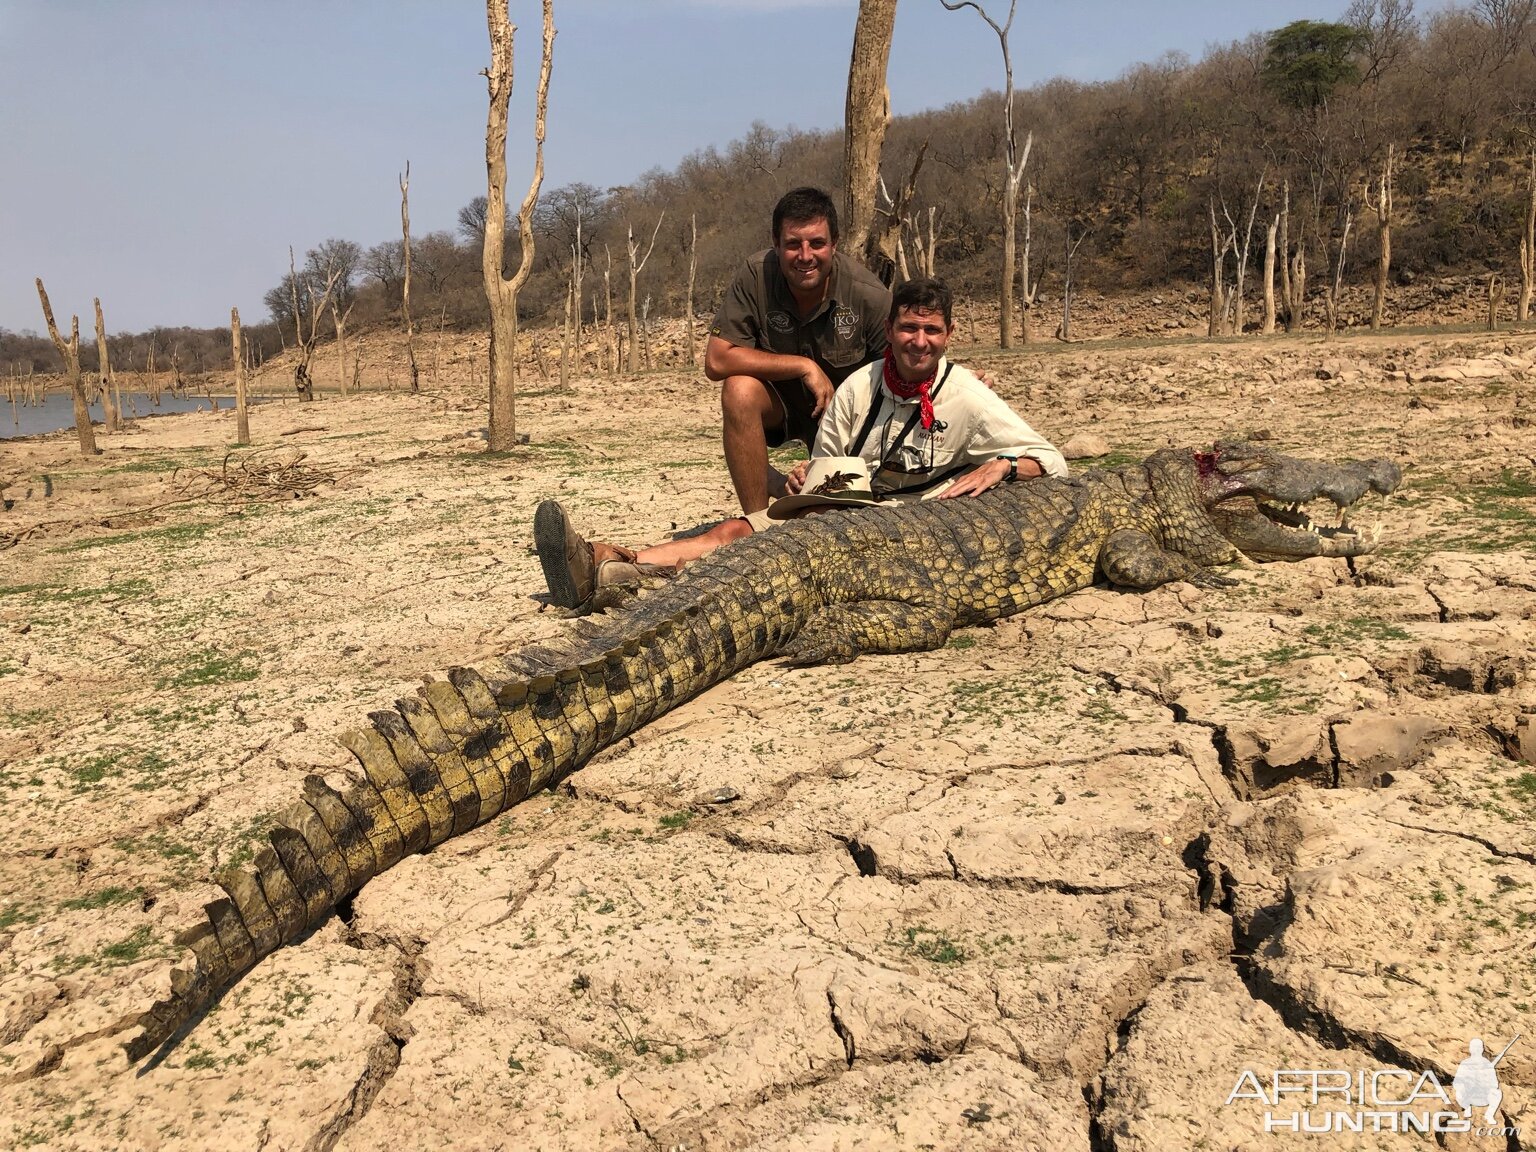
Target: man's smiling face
[805, 249]
[918, 338]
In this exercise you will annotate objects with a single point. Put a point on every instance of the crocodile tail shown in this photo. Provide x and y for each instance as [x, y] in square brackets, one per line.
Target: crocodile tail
[450, 759]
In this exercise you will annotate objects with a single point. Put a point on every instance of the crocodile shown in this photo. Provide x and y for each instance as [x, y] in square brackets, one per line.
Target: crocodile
[822, 589]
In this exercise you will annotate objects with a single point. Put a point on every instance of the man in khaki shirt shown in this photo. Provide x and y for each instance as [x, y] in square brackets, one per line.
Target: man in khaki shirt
[795, 322]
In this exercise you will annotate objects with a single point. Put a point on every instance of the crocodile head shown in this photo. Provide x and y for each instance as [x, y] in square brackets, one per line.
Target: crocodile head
[1258, 500]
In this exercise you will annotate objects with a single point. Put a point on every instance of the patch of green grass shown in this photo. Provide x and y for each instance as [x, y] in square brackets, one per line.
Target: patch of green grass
[105, 898]
[933, 946]
[1263, 690]
[1352, 631]
[1523, 787]
[994, 698]
[175, 534]
[677, 819]
[210, 666]
[13, 914]
[960, 641]
[125, 951]
[147, 769]
[135, 589]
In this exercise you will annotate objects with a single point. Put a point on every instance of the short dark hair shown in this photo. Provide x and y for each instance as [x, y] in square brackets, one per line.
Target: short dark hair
[801, 204]
[925, 294]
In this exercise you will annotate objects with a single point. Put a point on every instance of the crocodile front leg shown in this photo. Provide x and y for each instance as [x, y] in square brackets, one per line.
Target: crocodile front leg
[1130, 558]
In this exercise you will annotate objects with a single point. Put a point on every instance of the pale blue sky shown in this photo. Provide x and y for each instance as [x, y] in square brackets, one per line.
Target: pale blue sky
[163, 154]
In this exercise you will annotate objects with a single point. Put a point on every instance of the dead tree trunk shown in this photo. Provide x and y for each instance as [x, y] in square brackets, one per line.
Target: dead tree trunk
[868, 113]
[70, 354]
[111, 406]
[304, 340]
[693, 267]
[1028, 293]
[1269, 276]
[339, 322]
[242, 419]
[1495, 300]
[1381, 204]
[636, 264]
[1528, 246]
[500, 291]
[1014, 160]
[1070, 247]
[565, 328]
[613, 333]
[1338, 273]
[1293, 267]
[1218, 306]
[405, 284]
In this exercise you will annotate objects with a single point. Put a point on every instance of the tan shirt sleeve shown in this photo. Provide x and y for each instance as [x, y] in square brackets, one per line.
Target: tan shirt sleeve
[1003, 432]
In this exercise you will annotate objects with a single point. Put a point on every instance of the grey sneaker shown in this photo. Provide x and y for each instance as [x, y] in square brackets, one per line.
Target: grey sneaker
[565, 557]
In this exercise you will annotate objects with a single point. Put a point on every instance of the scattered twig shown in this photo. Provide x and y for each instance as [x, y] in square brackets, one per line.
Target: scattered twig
[265, 474]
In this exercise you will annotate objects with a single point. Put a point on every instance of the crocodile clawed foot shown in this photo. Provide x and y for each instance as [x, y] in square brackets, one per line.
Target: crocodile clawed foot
[1205, 578]
[809, 651]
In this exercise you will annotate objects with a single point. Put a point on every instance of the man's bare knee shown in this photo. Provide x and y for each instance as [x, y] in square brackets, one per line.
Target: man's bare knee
[732, 530]
[748, 397]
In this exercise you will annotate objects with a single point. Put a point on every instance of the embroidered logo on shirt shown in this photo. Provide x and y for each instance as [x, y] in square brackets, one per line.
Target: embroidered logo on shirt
[844, 322]
[780, 321]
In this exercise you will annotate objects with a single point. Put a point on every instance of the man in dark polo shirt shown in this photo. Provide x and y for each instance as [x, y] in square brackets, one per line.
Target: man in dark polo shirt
[797, 320]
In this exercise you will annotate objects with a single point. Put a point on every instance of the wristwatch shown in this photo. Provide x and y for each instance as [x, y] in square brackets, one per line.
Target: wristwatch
[1013, 469]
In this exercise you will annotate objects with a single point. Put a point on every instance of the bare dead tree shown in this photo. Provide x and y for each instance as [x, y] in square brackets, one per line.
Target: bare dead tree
[304, 340]
[1338, 272]
[1220, 243]
[70, 354]
[636, 265]
[1028, 293]
[242, 419]
[613, 334]
[925, 247]
[1014, 158]
[1293, 266]
[1381, 203]
[111, 405]
[405, 284]
[868, 114]
[1233, 318]
[645, 331]
[1269, 275]
[885, 234]
[1528, 245]
[693, 268]
[565, 329]
[1495, 299]
[1069, 248]
[501, 291]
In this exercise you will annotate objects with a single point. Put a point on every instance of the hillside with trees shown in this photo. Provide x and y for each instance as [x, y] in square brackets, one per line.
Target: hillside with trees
[1390, 130]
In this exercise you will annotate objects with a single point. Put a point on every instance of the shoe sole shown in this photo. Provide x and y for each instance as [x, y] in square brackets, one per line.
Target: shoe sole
[550, 527]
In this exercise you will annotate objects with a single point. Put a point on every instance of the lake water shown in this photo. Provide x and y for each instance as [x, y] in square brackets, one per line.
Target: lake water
[58, 411]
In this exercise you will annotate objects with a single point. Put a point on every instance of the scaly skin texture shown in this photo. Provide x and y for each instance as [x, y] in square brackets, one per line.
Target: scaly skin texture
[823, 589]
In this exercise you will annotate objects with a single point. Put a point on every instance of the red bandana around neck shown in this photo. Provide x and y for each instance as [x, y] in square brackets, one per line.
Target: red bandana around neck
[901, 389]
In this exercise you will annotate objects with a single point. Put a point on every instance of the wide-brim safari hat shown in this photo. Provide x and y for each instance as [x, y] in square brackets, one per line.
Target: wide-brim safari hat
[831, 482]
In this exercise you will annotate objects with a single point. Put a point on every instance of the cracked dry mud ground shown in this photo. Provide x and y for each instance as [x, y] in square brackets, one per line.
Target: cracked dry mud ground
[1054, 886]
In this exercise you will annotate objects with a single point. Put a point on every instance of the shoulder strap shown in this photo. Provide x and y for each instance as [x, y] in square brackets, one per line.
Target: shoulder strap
[906, 429]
